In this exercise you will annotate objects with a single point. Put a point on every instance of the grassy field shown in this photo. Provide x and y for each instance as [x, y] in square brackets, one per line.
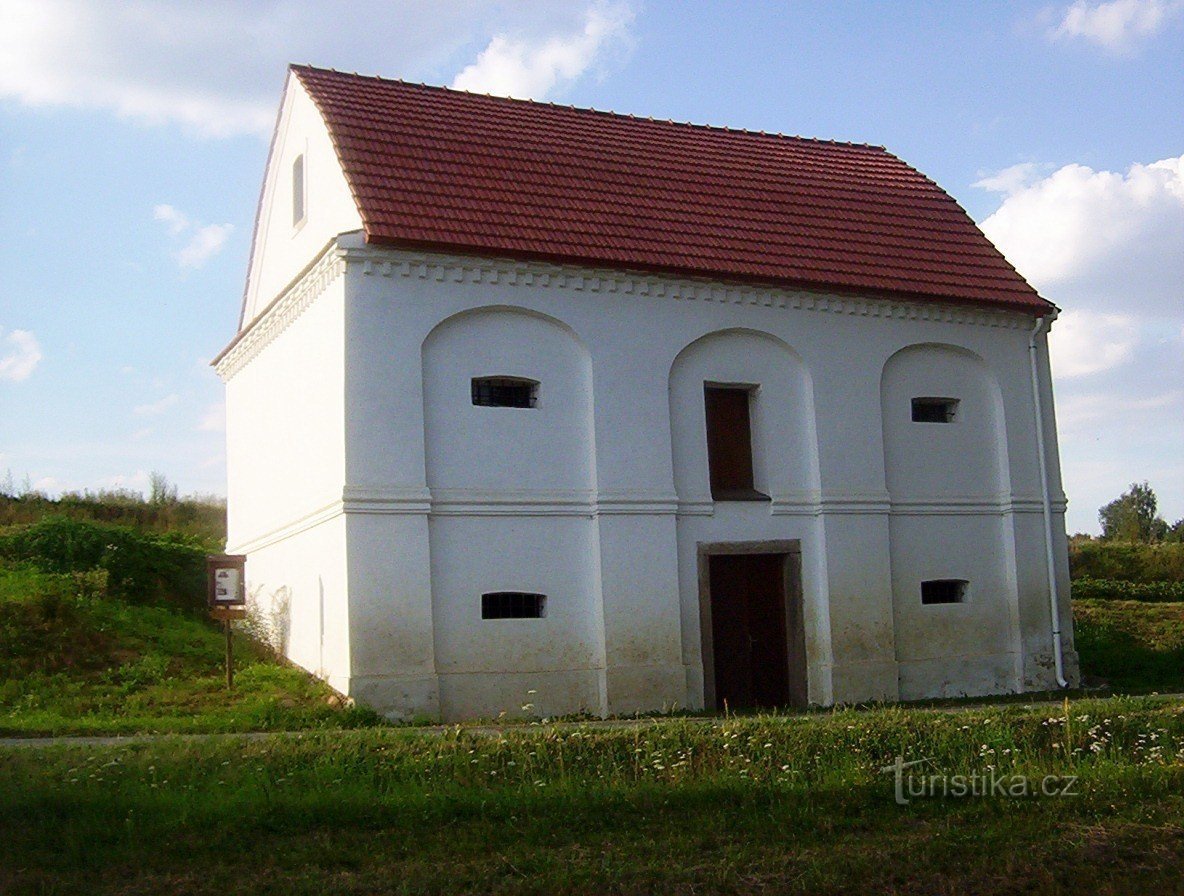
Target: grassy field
[760, 804]
[99, 635]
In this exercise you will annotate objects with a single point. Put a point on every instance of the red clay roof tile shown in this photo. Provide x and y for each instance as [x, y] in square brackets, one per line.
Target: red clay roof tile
[443, 169]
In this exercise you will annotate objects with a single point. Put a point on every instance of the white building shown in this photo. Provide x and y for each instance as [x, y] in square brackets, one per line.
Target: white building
[540, 405]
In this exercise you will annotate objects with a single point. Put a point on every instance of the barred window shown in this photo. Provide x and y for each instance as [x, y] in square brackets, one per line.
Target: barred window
[505, 392]
[513, 605]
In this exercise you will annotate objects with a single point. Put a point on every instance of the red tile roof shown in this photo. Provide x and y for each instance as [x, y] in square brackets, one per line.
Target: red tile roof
[443, 169]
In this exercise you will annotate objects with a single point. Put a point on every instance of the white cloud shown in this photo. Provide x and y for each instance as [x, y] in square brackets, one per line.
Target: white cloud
[155, 408]
[1008, 181]
[175, 220]
[19, 355]
[530, 68]
[1108, 247]
[205, 243]
[1118, 24]
[137, 58]
[217, 67]
[214, 419]
[1086, 342]
[1111, 241]
[49, 485]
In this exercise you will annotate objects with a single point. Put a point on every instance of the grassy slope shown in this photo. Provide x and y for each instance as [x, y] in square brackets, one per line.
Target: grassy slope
[73, 662]
[761, 804]
[1133, 646]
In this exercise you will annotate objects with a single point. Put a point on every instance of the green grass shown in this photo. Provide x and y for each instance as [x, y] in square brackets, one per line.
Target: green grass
[761, 804]
[1133, 646]
[74, 661]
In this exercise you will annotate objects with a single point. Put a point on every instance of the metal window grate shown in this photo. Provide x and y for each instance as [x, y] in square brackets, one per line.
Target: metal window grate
[943, 591]
[513, 605]
[505, 392]
[934, 410]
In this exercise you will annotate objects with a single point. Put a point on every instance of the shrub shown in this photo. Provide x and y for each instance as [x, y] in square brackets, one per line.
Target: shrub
[42, 623]
[140, 567]
[1117, 589]
[1127, 562]
[200, 516]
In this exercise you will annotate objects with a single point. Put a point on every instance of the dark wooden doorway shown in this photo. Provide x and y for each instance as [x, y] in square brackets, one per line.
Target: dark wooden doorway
[754, 628]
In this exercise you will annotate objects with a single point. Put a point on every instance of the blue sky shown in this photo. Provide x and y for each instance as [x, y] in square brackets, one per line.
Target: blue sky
[133, 137]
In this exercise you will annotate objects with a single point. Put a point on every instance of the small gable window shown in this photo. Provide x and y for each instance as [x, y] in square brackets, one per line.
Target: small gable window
[943, 591]
[505, 392]
[513, 605]
[935, 410]
[298, 190]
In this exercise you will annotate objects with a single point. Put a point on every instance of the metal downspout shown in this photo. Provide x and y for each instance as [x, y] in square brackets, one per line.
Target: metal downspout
[1053, 598]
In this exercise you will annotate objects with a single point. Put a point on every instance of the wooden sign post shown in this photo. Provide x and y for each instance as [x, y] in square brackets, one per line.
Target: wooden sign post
[227, 598]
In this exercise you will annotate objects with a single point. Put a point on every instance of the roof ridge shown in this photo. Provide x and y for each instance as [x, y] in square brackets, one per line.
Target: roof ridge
[298, 68]
[431, 166]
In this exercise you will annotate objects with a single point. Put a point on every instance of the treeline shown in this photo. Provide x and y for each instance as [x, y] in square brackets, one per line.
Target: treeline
[161, 511]
[142, 549]
[1139, 556]
[1134, 517]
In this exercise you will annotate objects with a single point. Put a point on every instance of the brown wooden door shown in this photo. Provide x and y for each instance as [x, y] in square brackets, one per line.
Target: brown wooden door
[750, 642]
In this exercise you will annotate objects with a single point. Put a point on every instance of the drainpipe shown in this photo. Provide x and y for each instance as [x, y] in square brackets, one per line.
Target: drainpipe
[1053, 601]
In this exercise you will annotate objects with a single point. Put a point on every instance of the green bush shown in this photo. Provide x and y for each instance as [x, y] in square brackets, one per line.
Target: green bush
[43, 625]
[140, 567]
[1126, 562]
[202, 517]
[1117, 589]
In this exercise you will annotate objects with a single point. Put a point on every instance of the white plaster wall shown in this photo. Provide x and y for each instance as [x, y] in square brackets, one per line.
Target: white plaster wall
[285, 440]
[477, 460]
[471, 449]
[604, 514]
[942, 478]
[282, 249]
[488, 666]
[956, 460]
[393, 659]
[642, 615]
[297, 590]
[962, 649]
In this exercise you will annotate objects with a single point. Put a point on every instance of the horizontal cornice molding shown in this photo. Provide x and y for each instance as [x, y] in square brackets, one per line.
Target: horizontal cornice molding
[280, 314]
[347, 251]
[589, 504]
[444, 268]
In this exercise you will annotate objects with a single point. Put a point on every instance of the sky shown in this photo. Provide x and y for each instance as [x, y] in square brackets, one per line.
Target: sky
[133, 137]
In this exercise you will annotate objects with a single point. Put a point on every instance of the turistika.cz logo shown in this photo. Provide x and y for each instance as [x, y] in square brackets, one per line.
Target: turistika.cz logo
[912, 784]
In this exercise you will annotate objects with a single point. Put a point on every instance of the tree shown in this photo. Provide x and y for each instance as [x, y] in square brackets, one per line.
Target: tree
[1133, 517]
[161, 491]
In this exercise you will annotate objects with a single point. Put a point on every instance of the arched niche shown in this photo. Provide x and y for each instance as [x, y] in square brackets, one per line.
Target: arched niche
[784, 440]
[942, 415]
[547, 445]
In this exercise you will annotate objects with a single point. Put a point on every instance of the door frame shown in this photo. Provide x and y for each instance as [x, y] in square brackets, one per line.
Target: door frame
[795, 628]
